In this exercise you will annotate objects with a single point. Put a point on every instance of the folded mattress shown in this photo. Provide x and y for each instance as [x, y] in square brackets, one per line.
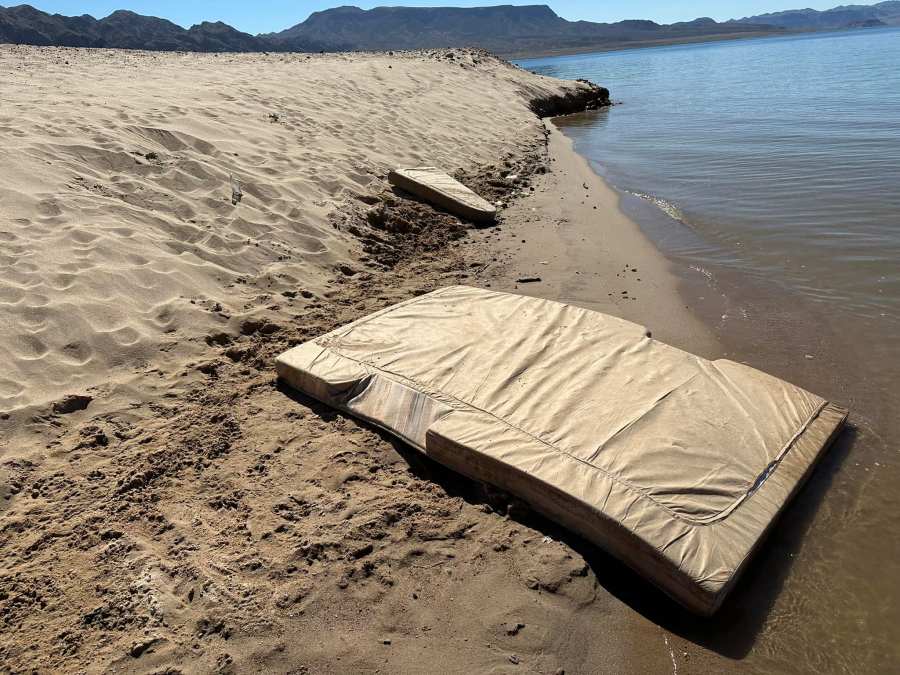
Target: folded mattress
[675, 464]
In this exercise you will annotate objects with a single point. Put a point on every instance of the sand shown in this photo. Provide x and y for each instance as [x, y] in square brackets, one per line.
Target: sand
[166, 505]
[119, 231]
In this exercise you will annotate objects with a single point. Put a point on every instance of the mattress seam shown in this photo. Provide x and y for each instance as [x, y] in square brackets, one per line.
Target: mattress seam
[772, 466]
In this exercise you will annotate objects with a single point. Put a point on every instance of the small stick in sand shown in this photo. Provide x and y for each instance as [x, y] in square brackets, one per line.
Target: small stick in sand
[236, 194]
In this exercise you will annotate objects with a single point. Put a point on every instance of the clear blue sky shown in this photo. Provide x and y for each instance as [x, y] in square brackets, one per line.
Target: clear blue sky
[269, 15]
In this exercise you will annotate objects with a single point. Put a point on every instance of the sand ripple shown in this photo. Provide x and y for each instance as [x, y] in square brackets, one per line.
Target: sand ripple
[117, 227]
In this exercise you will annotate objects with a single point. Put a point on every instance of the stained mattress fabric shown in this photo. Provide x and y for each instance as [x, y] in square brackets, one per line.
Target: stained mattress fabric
[675, 464]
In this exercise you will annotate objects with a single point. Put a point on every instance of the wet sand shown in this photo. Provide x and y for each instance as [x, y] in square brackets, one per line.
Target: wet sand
[570, 233]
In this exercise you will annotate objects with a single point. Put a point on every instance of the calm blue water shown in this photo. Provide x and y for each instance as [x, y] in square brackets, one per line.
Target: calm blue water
[783, 154]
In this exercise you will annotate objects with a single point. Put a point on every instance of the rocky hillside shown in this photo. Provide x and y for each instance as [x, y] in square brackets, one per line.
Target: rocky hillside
[848, 16]
[26, 25]
[503, 29]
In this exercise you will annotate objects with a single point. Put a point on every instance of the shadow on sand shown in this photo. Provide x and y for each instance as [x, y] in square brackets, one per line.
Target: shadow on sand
[732, 631]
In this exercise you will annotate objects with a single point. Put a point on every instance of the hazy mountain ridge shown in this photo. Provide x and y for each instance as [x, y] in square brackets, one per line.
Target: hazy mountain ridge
[845, 16]
[26, 25]
[504, 29]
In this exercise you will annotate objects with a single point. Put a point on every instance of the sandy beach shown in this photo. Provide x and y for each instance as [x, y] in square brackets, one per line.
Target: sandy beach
[169, 224]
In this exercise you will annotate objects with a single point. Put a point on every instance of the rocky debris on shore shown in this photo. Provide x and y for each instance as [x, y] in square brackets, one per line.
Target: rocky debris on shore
[588, 96]
[72, 403]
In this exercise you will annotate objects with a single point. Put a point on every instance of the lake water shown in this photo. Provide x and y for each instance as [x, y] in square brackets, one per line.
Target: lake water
[769, 169]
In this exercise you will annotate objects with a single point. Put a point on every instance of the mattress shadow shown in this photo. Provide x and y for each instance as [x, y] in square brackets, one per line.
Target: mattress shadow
[733, 630]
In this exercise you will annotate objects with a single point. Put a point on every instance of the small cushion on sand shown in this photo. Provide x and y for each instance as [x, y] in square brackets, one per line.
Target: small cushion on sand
[675, 464]
[436, 187]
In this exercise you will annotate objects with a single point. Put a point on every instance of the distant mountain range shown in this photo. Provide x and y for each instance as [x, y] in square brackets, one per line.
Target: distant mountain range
[503, 29]
[847, 16]
[506, 30]
[26, 25]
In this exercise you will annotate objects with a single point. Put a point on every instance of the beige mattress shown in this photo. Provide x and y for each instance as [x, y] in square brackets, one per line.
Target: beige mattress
[675, 464]
[436, 187]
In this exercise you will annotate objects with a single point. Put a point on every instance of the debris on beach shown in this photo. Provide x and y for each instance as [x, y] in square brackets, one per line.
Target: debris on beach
[440, 189]
[72, 403]
[236, 193]
[418, 336]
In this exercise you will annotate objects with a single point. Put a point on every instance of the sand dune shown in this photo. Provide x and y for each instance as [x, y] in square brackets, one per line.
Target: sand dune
[117, 227]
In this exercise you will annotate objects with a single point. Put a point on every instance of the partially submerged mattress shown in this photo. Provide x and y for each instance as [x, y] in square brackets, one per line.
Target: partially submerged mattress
[435, 186]
[675, 464]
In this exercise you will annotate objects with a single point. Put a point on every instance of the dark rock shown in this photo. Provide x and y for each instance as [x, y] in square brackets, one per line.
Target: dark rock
[362, 551]
[591, 97]
[72, 403]
[221, 339]
[207, 627]
[253, 326]
[235, 353]
[140, 648]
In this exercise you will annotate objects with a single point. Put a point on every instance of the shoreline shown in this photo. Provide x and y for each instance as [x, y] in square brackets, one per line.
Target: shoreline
[738, 37]
[588, 252]
[198, 514]
[673, 42]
